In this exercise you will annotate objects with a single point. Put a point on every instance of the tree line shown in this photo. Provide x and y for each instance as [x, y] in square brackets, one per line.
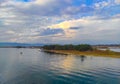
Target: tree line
[80, 47]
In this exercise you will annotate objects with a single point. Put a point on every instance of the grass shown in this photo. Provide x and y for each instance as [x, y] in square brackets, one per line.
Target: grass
[102, 53]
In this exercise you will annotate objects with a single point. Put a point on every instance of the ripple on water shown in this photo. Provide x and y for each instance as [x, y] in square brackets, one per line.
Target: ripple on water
[41, 68]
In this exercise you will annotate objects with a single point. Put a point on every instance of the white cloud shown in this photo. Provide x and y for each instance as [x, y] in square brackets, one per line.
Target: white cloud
[102, 4]
[117, 1]
[25, 21]
[27, 4]
[92, 28]
[70, 23]
[10, 32]
[43, 2]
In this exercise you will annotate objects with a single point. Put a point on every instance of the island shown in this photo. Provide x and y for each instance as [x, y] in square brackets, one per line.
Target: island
[81, 49]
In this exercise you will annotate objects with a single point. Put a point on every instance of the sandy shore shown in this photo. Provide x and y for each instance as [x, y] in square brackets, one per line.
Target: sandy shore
[99, 53]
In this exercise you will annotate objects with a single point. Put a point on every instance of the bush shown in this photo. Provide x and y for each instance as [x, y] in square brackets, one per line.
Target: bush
[81, 47]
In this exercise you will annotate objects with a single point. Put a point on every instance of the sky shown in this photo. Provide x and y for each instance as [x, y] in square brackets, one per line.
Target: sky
[60, 21]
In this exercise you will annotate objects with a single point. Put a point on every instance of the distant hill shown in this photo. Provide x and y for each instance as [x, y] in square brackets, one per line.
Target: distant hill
[18, 44]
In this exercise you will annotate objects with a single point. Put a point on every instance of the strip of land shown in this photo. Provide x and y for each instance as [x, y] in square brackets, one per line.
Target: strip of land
[99, 53]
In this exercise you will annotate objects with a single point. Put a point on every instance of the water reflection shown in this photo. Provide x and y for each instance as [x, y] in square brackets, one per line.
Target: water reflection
[35, 67]
[68, 62]
[83, 58]
[52, 53]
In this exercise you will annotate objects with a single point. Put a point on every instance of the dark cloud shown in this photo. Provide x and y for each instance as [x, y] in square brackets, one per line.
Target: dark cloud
[49, 31]
[74, 28]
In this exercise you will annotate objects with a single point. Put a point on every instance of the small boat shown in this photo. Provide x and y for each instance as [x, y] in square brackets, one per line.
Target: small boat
[21, 52]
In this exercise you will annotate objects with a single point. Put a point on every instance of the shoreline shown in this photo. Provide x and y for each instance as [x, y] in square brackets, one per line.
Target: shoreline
[97, 53]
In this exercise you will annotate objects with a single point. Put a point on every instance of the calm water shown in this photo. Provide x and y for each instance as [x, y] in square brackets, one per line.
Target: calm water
[115, 49]
[112, 49]
[35, 67]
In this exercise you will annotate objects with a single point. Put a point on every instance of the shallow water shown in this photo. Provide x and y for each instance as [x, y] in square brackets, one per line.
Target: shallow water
[115, 49]
[112, 49]
[31, 66]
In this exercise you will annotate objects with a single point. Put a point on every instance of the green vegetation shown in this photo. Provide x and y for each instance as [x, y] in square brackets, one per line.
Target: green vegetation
[81, 47]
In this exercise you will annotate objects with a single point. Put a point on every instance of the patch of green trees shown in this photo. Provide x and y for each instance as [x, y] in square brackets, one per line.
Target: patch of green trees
[80, 47]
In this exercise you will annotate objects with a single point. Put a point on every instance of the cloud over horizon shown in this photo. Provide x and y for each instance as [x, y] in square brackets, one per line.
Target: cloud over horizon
[58, 21]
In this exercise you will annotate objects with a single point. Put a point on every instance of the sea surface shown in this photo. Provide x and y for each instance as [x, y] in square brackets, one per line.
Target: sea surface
[33, 66]
[111, 49]
[115, 49]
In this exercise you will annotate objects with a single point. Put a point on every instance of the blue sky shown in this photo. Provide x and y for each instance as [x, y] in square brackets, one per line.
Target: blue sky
[60, 21]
